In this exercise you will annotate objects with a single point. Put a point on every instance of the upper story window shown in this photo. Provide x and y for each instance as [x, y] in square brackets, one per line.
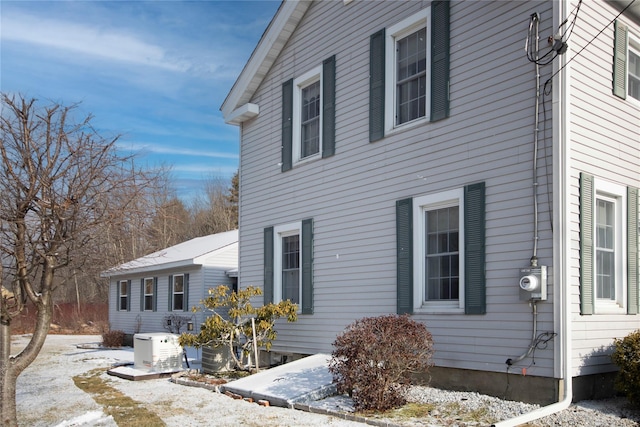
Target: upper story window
[308, 115]
[409, 72]
[626, 63]
[634, 69]
[407, 48]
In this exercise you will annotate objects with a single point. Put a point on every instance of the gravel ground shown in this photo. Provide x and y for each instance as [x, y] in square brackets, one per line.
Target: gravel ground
[47, 396]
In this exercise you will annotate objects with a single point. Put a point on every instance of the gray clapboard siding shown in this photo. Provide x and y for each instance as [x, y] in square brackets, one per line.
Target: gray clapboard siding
[605, 145]
[351, 196]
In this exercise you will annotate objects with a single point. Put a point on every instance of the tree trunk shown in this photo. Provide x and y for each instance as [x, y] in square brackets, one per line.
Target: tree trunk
[12, 366]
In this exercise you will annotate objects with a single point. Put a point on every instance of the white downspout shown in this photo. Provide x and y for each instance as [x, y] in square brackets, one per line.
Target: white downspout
[561, 239]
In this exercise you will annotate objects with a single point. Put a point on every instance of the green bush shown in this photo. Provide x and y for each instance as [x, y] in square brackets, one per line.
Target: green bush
[627, 357]
[112, 339]
[376, 356]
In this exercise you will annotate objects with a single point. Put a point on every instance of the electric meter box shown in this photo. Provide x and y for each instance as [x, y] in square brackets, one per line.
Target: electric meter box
[533, 283]
[157, 352]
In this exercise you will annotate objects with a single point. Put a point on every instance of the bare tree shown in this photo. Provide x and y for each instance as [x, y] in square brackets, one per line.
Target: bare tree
[216, 210]
[61, 186]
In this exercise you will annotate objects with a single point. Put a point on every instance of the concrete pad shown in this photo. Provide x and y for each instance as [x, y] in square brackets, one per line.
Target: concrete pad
[133, 374]
[301, 381]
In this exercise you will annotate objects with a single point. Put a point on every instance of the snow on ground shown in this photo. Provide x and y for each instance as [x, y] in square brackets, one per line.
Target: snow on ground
[47, 396]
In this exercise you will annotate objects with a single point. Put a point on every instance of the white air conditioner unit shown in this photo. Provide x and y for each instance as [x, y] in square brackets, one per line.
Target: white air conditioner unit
[157, 352]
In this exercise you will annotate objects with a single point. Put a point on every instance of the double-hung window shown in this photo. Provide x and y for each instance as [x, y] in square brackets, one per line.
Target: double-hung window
[288, 261]
[608, 247]
[123, 295]
[439, 256]
[626, 63]
[409, 45]
[609, 229]
[178, 292]
[441, 252]
[148, 293]
[634, 68]
[409, 71]
[308, 115]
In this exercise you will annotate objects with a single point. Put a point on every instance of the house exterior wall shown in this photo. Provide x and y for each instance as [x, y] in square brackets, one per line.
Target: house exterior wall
[201, 278]
[605, 142]
[351, 196]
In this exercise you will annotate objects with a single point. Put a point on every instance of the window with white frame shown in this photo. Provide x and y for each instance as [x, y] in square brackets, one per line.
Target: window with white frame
[287, 263]
[634, 68]
[123, 293]
[148, 293]
[407, 65]
[439, 251]
[609, 246]
[307, 115]
[178, 292]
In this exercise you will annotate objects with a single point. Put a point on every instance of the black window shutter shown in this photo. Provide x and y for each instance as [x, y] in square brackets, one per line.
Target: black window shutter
[155, 294]
[141, 294]
[128, 295]
[185, 295]
[376, 86]
[474, 241]
[118, 295]
[621, 36]
[633, 272]
[170, 293]
[439, 60]
[268, 265]
[307, 266]
[329, 106]
[404, 255]
[287, 125]
[586, 243]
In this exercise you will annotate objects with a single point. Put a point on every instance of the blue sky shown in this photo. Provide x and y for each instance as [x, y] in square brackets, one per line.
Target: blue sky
[154, 72]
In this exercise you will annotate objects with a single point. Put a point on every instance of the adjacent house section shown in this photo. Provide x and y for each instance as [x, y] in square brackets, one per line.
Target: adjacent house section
[156, 293]
[472, 164]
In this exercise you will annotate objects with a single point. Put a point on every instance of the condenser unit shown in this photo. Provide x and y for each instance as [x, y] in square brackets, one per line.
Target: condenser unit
[157, 352]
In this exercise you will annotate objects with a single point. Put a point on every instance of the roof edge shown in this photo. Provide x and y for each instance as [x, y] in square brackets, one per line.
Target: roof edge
[268, 49]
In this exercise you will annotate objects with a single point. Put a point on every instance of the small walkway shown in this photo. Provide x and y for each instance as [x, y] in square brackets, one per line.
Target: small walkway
[301, 381]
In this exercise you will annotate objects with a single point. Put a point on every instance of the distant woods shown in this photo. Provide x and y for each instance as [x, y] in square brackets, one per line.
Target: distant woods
[71, 202]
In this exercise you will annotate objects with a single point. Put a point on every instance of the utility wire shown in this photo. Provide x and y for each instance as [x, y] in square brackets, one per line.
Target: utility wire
[592, 40]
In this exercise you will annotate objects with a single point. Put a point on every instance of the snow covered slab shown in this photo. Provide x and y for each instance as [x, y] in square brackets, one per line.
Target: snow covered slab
[133, 374]
[300, 381]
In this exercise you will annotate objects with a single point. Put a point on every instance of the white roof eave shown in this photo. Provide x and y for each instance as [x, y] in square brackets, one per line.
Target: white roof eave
[264, 55]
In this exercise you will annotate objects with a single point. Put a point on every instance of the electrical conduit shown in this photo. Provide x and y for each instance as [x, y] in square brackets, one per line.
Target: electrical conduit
[564, 306]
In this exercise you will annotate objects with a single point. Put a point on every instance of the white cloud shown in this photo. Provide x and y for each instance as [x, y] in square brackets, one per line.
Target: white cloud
[160, 149]
[108, 44]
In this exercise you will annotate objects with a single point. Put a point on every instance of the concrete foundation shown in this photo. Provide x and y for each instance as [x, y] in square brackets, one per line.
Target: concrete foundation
[522, 388]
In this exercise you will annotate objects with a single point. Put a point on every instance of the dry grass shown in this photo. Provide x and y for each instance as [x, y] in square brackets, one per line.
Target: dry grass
[123, 409]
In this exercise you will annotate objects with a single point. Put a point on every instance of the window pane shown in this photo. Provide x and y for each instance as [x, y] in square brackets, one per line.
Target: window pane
[178, 284]
[123, 289]
[178, 301]
[442, 257]
[411, 62]
[291, 268]
[148, 302]
[605, 249]
[634, 74]
[310, 120]
[148, 286]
